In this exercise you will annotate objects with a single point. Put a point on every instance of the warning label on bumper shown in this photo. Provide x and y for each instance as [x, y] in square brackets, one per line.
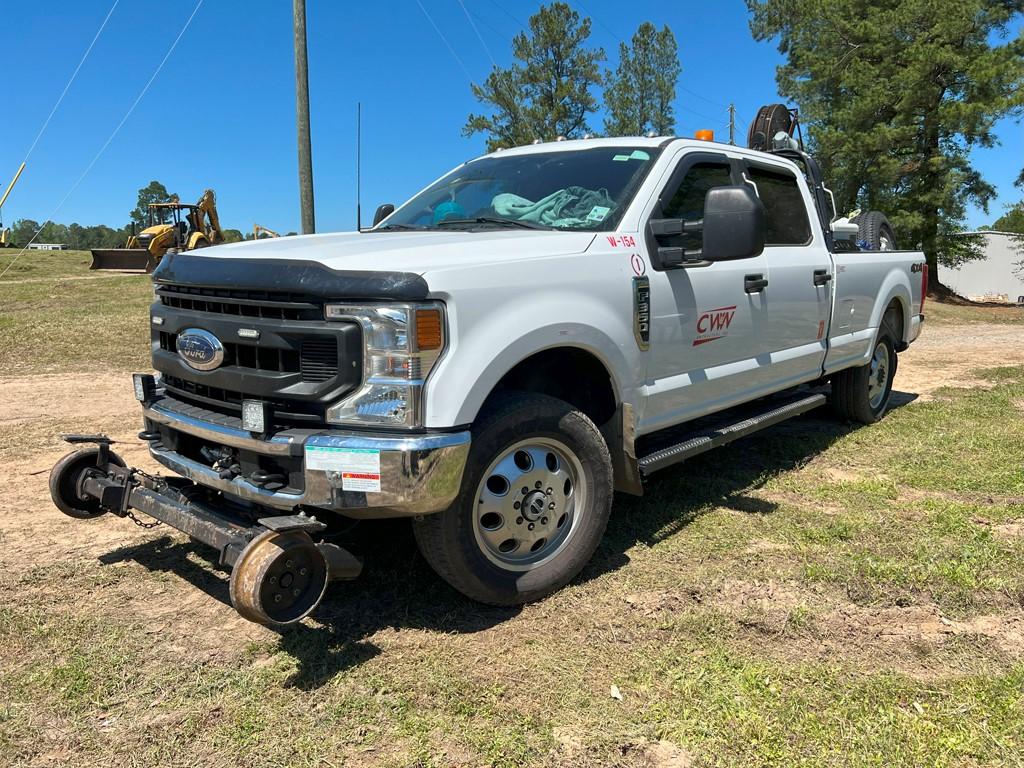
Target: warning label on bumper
[359, 467]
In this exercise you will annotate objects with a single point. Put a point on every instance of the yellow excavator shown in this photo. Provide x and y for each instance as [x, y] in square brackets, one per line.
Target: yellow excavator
[171, 225]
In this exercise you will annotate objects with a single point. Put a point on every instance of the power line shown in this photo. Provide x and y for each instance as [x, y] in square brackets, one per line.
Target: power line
[607, 29]
[445, 41]
[114, 133]
[478, 35]
[501, 8]
[70, 81]
[491, 27]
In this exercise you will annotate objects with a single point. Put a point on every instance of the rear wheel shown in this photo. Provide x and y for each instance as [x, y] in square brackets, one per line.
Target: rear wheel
[862, 394]
[535, 499]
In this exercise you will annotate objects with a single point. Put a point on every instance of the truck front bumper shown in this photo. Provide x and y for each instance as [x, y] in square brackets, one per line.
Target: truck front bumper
[416, 474]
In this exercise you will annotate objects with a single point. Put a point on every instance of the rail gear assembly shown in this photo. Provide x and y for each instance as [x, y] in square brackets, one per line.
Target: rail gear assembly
[174, 225]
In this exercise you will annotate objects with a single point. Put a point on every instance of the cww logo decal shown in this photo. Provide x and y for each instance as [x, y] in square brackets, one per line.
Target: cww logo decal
[713, 324]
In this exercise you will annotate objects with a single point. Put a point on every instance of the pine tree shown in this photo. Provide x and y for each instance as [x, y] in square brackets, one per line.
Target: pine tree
[639, 94]
[546, 93]
[896, 94]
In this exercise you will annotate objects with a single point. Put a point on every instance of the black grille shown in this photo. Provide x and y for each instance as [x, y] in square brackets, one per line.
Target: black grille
[272, 305]
[317, 359]
[286, 412]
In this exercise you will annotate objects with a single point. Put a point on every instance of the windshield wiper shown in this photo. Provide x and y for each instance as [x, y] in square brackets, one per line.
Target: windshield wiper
[396, 227]
[493, 220]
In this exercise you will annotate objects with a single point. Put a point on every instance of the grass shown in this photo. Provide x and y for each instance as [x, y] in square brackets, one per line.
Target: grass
[814, 595]
[55, 314]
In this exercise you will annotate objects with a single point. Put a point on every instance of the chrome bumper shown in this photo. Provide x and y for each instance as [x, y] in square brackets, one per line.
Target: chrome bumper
[415, 474]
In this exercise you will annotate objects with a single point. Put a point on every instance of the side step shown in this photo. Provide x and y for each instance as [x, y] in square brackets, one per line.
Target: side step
[685, 445]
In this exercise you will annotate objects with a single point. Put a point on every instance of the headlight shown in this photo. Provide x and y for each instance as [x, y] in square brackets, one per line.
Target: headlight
[401, 344]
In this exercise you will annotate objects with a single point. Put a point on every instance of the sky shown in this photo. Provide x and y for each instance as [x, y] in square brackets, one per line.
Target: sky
[221, 113]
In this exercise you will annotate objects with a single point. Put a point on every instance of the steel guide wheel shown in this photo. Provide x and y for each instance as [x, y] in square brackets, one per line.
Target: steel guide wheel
[279, 578]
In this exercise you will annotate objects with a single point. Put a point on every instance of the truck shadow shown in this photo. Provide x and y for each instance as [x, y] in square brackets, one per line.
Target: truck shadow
[398, 591]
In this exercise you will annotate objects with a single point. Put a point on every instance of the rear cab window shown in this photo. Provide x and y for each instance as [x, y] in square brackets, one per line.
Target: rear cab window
[785, 211]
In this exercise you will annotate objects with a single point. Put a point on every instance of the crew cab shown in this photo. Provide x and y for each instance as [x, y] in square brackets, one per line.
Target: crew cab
[534, 330]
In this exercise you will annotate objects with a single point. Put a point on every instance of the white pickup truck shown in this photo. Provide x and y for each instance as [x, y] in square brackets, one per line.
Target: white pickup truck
[536, 329]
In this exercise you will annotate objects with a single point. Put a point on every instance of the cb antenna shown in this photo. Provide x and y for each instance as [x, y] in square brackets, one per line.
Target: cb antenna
[359, 137]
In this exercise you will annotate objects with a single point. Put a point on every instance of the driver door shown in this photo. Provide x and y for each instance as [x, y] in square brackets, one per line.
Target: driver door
[707, 322]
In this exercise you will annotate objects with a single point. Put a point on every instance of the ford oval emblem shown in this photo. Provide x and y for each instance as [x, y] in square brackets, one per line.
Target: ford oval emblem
[200, 349]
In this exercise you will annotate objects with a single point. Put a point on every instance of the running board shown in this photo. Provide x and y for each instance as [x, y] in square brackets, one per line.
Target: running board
[698, 441]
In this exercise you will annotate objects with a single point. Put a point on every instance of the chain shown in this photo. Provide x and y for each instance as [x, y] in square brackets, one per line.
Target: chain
[142, 523]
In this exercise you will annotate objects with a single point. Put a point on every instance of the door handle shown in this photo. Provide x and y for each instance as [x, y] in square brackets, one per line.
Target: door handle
[822, 276]
[754, 283]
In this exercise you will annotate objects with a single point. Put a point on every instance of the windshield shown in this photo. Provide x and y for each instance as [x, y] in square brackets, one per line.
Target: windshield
[577, 190]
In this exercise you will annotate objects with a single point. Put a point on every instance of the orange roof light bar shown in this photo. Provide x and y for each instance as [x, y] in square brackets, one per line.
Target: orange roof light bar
[704, 134]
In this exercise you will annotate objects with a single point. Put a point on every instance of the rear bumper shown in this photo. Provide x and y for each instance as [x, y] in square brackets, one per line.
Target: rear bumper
[915, 327]
[360, 475]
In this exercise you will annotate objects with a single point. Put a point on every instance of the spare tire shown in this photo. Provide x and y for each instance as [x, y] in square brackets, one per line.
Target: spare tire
[875, 232]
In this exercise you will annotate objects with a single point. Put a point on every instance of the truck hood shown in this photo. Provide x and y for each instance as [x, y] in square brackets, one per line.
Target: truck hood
[414, 252]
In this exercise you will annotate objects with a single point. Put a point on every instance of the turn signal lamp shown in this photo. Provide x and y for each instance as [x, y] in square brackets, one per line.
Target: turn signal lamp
[428, 329]
[704, 134]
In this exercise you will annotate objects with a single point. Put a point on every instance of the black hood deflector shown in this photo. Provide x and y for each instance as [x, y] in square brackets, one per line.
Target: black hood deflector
[305, 277]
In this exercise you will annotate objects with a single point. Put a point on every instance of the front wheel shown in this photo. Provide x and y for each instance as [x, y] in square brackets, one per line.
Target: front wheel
[862, 394]
[535, 499]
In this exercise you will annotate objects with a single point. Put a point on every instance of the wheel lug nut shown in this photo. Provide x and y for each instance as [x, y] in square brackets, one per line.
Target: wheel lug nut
[551, 505]
[530, 526]
[277, 598]
[515, 505]
[296, 592]
[548, 491]
[519, 521]
[288, 564]
[525, 490]
[543, 521]
[273, 579]
[303, 571]
[537, 485]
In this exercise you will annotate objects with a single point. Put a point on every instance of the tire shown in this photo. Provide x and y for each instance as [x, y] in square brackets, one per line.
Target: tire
[538, 475]
[64, 479]
[857, 393]
[875, 232]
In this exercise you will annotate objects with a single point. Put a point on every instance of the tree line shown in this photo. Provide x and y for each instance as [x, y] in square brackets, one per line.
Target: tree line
[894, 96]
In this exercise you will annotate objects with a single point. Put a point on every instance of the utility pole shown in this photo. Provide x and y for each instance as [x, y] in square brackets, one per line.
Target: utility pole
[302, 119]
[732, 124]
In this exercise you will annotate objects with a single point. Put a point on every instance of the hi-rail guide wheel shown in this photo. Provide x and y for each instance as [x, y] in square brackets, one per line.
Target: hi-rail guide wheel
[279, 578]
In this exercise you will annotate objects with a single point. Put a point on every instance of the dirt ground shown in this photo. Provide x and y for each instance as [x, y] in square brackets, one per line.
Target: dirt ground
[35, 409]
[45, 406]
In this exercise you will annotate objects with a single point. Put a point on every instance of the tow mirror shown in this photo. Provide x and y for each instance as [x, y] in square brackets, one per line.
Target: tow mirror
[733, 227]
[383, 211]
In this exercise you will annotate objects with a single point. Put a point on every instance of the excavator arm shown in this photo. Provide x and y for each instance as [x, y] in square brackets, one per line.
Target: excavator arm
[208, 205]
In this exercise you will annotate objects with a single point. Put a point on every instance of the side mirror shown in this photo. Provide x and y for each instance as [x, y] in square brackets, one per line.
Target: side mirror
[383, 211]
[733, 227]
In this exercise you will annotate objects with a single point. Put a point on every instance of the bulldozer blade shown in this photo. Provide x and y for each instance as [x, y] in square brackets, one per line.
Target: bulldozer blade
[134, 259]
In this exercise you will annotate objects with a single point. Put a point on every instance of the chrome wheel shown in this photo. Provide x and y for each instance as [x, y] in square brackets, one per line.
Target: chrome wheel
[878, 376]
[885, 244]
[529, 503]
